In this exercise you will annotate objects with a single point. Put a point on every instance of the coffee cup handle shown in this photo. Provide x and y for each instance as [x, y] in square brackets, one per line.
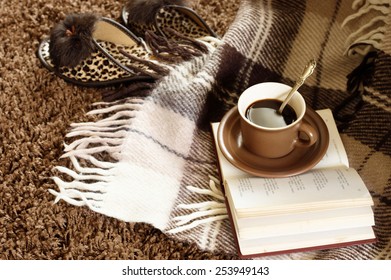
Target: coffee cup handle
[311, 136]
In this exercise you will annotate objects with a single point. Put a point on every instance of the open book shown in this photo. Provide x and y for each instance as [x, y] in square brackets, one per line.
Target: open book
[328, 206]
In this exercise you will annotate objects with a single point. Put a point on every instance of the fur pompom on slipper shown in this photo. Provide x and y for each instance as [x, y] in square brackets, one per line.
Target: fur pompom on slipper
[71, 40]
[144, 11]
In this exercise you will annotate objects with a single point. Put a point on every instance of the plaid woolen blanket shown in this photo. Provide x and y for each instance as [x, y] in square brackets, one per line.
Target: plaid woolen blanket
[151, 158]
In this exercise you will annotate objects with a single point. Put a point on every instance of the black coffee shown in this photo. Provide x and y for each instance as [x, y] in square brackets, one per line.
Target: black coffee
[265, 113]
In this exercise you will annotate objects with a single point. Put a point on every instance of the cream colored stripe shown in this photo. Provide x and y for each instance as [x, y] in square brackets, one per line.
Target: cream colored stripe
[308, 44]
[255, 53]
[386, 46]
[148, 153]
[165, 127]
[263, 32]
[380, 100]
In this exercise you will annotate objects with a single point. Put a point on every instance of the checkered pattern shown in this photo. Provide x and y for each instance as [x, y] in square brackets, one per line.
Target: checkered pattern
[164, 155]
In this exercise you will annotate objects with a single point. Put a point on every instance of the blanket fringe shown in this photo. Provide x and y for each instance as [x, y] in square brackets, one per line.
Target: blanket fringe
[88, 175]
[181, 48]
[169, 53]
[204, 212]
[369, 36]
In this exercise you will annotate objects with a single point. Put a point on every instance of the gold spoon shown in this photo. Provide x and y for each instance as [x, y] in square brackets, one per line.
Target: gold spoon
[309, 68]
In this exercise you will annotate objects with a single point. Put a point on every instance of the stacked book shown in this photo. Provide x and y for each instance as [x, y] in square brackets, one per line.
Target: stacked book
[326, 207]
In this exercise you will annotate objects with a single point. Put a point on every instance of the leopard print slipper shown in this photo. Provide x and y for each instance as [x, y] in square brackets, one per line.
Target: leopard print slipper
[95, 51]
[169, 27]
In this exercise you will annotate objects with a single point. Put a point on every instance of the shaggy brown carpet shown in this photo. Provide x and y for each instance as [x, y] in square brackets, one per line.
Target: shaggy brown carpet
[36, 110]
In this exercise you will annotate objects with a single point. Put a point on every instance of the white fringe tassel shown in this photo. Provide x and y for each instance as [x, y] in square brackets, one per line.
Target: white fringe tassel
[211, 42]
[89, 181]
[371, 34]
[205, 212]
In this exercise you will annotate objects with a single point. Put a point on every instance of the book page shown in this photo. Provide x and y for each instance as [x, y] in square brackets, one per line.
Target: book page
[316, 190]
[336, 153]
[305, 222]
[307, 218]
[299, 241]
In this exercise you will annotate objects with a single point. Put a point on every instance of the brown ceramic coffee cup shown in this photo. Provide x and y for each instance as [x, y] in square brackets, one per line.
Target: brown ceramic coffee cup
[267, 133]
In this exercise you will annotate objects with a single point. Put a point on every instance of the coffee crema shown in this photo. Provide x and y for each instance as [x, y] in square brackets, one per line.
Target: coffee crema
[265, 113]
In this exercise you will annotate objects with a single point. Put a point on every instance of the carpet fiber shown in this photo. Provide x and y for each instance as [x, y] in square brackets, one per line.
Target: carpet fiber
[266, 41]
[36, 110]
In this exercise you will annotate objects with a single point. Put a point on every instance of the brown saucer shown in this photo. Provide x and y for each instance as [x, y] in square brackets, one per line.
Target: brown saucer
[296, 162]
